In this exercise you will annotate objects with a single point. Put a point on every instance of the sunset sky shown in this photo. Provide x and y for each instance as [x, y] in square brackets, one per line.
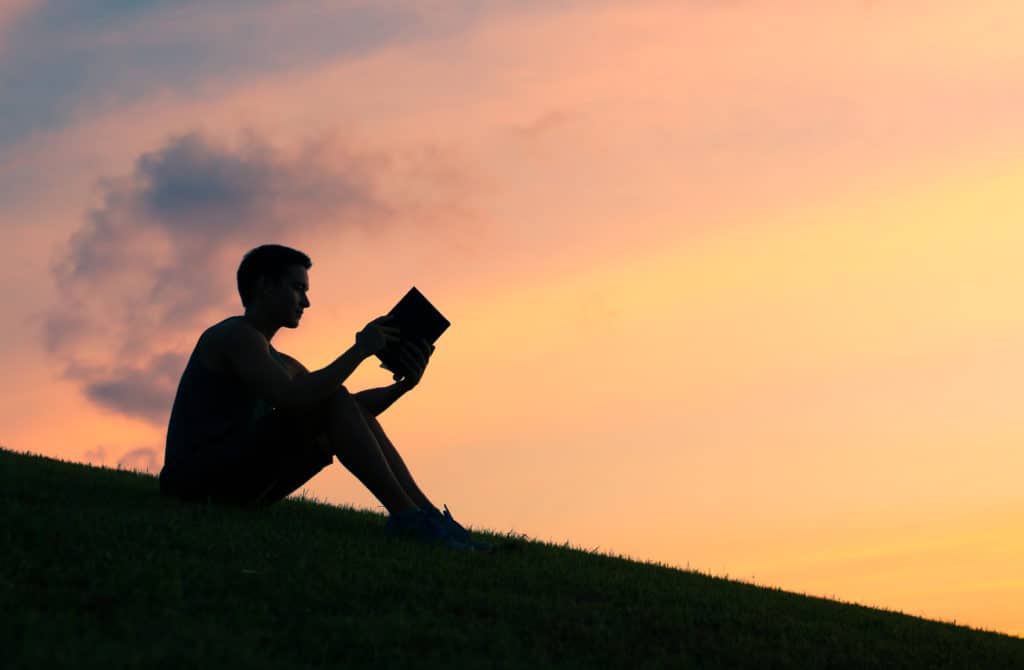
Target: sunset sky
[733, 285]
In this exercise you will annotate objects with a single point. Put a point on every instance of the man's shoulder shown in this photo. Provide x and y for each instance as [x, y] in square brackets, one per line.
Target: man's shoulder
[297, 368]
[225, 328]
[216, 338]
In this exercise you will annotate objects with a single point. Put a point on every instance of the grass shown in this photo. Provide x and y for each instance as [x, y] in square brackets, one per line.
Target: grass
[99, 571]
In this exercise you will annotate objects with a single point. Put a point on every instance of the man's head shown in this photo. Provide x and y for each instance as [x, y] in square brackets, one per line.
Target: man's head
[272, 282]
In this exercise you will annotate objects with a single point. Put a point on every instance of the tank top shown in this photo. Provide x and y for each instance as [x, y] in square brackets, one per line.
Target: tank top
[211, 411]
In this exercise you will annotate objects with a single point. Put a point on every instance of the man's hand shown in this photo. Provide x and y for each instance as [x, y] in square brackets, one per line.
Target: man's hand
[375, 336]
[415, 356]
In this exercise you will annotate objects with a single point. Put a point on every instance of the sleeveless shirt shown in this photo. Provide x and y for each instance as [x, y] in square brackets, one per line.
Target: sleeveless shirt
[211, 411]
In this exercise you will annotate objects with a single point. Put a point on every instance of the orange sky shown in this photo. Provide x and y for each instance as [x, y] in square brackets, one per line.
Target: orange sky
[731, 287]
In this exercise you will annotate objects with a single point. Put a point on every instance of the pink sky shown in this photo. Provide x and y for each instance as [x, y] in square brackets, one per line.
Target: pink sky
[731, 287]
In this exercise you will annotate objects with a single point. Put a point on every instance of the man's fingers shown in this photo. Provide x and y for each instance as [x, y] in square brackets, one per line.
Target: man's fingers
[415, 366]
[418, 353]
[423, 347]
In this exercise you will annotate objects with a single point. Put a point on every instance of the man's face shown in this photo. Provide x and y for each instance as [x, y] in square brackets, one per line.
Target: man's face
[287, 299]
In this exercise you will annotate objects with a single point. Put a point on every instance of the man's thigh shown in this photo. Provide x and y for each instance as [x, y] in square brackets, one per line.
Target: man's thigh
[273, 457]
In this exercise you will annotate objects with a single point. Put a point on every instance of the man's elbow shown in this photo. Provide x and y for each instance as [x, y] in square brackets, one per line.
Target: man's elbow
[287, 395]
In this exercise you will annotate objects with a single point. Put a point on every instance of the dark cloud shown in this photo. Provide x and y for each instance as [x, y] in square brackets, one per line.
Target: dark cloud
[192, 187]
[64, 55]
[154, 263]
[140, 391]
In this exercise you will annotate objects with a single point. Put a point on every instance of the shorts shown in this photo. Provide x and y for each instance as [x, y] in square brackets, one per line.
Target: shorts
[263, 463]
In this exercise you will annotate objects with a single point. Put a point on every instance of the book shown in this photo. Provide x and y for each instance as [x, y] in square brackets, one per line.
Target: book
[417, 319]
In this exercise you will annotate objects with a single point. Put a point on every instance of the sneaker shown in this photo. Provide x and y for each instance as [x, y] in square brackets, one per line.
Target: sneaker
[454, 529]
[421, 525]
[402, 523]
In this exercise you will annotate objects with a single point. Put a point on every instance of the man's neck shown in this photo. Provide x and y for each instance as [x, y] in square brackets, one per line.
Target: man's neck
[267, 328]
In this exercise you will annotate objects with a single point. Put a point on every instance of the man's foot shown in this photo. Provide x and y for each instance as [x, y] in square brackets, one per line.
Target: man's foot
[453, 528]
[423, 525]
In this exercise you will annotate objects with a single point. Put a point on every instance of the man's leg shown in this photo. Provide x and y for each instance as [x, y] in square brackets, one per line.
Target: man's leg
[405, 479]
[356, 446]
[395, 461]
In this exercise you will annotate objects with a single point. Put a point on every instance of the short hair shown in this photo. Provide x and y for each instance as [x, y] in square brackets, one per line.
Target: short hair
[269, 260]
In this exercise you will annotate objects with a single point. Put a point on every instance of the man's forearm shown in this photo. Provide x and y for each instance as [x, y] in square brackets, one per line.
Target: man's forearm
[379, 399]
[308, 389]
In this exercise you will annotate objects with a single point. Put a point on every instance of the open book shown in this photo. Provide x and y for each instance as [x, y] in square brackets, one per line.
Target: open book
[417, 319]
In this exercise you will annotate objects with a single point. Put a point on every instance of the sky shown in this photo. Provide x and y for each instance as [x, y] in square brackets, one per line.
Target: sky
[734, 286]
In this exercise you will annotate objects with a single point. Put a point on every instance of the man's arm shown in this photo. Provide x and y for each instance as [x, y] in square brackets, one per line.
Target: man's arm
[375, 401]
[247, 354]
[298, 369]
[416, 357]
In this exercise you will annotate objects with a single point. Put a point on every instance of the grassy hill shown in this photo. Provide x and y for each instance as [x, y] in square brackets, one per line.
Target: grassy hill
[99, 571]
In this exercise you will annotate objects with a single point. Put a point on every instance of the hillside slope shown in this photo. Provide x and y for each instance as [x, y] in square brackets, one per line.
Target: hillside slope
[99, 571]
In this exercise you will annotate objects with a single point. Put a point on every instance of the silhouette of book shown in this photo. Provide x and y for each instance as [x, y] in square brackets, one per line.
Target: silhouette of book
[417, 319]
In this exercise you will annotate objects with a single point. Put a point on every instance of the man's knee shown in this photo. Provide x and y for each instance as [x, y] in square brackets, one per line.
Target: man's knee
[340, 395]
[342, 400]
[322, 441]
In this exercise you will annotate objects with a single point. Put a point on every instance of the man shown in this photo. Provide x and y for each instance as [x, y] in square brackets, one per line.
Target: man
[250, 424]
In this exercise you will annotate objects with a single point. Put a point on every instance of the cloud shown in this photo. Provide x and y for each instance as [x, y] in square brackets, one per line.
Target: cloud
[13, 12]
[549, 122]
[70, 60]
[144, 459]
[146, 270]
[97, 456]
[67, 58]
[140, 391]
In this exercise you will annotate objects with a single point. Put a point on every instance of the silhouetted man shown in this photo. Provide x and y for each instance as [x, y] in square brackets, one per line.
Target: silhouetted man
[250, 424]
